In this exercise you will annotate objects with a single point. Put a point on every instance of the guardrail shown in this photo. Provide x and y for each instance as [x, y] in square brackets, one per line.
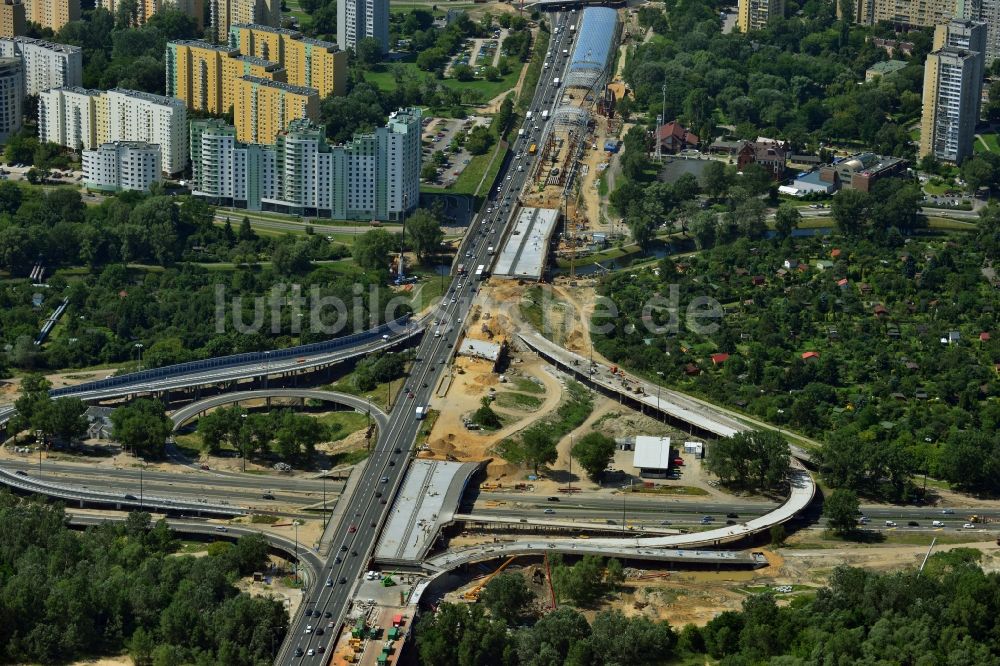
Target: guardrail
[82, 495]
[230, 361]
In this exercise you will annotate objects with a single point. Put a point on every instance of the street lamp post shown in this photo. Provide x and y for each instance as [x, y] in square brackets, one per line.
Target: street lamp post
[324, 501]
[243, 439]
[660, 373]
[296, 562]
[142, 464]
[138, 346]
[267, 366]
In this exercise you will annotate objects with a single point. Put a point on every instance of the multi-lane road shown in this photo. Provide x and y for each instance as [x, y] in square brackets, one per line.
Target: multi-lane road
[355, 537]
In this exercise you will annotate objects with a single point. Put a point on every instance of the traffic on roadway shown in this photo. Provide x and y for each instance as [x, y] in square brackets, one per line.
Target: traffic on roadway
[373, 495]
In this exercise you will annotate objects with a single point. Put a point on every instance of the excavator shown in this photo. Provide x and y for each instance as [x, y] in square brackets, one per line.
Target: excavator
[473, 594]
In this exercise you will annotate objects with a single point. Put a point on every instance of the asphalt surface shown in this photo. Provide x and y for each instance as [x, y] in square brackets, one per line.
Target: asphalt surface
[353, 549]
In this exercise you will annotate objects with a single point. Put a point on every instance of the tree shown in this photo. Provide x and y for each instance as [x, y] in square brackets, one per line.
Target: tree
[582, 583]
[754, 459]
[539, 446]
[507, 597]
[64, 418]
[716, 178]
[298, 435]
[841, 511]
[33, 404]
[786, 220]
[552, 638]
[850, 210]
[977, 172]
[462, 73]
[594, 451]
[372, 249]
[424, 233]
[479, 140]
[368, 52]
[485, 416]
[429, 172]
[143, 427]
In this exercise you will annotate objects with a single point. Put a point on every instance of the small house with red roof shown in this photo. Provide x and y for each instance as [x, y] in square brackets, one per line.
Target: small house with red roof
[674, 137]
[810, 356]
[720, 358]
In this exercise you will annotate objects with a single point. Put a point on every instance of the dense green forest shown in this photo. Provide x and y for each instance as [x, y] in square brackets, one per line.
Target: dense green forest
[879, 380]
[948, 614]
[797, 80]
[123, 588]
[115, 301]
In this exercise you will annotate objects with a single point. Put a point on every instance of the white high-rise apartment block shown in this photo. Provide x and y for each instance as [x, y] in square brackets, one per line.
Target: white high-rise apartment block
[45, 64]
[85, 119]
[67, 116]
[11, 97]
[374, 176]
[130, 115]
[122, 165]
[357, 19]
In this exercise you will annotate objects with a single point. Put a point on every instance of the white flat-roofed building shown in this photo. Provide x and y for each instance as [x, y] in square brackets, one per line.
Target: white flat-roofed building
[45, 64]
[130, 115]
[652, 456]
[67, 116]
[122, 165]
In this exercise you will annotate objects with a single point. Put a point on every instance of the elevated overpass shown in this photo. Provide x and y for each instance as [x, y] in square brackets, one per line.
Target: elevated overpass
[227, 370]
[189, 412]
[79, 496]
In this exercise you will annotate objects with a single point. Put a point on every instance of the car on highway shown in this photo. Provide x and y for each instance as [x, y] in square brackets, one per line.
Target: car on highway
[707, 519]
[319, 631]
[665, 522]
[890, 523]
[329, 582]
[298, 652]
[337, 559]
[732, 515]
[947, 512]
[385, 479]
[220, 528]
[392, 463]
[937, 523]
[320, 649]
[352, 529]
[912, 523]
[267, 496]
[328, 614]
[21, 472]
[550, 511]
[552, 499]
[343, 580]
[310, 652]
[968, 526]
[309, 629]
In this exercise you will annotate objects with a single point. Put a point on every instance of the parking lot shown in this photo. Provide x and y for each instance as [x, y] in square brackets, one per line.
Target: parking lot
[438, 134]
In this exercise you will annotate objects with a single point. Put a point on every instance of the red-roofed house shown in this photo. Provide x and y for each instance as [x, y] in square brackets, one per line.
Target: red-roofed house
[673, 138]
[881, 311]
[719, 359]
[842, 282]
[810, 355]
[835, 252]
[984, 337]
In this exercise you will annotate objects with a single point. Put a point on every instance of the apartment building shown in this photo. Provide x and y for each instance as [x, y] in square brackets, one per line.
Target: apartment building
[754, 14]
[204, 75]
[13, 21]
[67, 116]
[358, 19]
[927, 13]
[52, 14]
[44, 64]
[122, 165]
[262, 108]
[309, 62]
[374, 176]
[226, 13]
[85, 119]
[146, 8]
[11, 96]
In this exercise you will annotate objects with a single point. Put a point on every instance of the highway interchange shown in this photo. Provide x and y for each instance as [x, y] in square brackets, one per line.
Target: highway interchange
[389, 460]
[332, 580]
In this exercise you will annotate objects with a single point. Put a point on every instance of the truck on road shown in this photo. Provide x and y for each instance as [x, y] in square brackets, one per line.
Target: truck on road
[555, 84]
[533, 149]
[421, 412]
[480, 269]
[545, 114]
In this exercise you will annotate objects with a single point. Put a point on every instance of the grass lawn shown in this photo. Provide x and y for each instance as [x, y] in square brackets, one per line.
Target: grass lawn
[342, 424]
[526, 385]
[385, 80]
[379, 394]
[348, 457]
[429, 290]
[690, 491]
[521, 401]
[992, 145]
